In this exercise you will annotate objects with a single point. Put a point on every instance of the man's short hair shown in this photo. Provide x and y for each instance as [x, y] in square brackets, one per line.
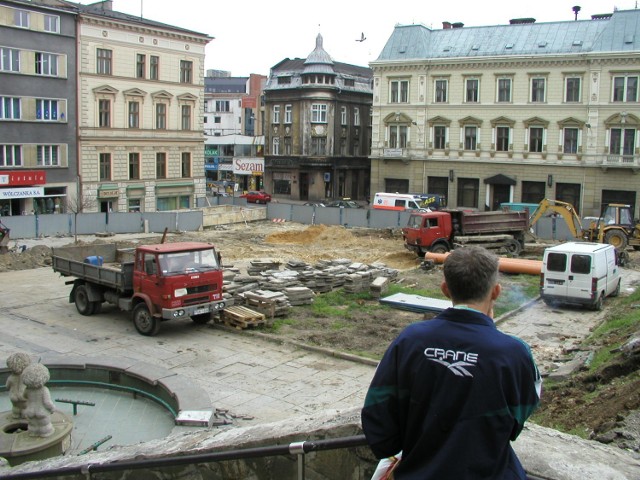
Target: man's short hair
[470, 273]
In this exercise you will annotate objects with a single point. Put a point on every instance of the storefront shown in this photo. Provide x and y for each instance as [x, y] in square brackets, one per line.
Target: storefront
[249, 172]
[23, 192]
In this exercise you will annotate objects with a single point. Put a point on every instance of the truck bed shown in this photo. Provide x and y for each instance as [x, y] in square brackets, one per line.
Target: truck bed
[117, 273]
[470, 223]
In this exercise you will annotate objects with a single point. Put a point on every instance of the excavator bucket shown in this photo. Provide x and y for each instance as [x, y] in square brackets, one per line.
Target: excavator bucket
[4, 238]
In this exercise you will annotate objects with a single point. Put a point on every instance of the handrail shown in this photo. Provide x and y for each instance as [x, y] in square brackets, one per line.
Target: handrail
[295, 448]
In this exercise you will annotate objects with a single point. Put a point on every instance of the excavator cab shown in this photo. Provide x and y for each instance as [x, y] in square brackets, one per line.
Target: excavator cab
[616, 226]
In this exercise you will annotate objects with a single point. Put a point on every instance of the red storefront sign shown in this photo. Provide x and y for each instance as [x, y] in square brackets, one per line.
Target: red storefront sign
[22, 178]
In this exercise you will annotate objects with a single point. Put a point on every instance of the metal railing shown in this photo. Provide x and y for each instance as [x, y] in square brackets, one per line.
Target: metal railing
[299, 449]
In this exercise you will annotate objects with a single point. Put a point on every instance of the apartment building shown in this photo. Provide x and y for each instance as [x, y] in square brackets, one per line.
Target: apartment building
[317, 128]
[38, 150]
[511, 113]
[141, 117]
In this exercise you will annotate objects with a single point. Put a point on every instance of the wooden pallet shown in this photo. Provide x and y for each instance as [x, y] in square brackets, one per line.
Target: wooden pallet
[242, 317]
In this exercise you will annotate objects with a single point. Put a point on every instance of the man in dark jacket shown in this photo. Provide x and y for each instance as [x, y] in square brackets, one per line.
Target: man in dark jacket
[451, 393]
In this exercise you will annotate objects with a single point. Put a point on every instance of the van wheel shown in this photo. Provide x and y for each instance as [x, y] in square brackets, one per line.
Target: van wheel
[599, 303]
[439, 248]
[616, 292]
[145, 323]
[83, 305]
[550, 302]
[617, 238]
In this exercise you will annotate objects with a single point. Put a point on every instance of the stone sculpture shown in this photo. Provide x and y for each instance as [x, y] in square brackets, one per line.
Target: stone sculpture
[17, 363]
[39, 405]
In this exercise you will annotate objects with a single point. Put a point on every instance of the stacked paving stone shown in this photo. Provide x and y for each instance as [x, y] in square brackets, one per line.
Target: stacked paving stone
[299, 295]
[261, 265]
[267, 302]
[379, 286]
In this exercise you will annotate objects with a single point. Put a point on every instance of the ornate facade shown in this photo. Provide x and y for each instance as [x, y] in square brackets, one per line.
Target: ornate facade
[511, 113]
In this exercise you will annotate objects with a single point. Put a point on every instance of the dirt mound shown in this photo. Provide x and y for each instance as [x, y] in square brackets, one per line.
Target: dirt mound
[310, 235]
[38, 256]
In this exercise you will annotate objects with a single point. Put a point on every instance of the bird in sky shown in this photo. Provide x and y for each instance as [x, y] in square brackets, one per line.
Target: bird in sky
[362, 38]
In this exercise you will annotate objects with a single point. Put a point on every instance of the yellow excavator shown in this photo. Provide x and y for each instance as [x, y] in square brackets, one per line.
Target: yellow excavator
[615, 225]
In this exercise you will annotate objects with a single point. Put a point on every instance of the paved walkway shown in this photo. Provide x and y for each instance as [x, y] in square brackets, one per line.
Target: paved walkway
[241, 373]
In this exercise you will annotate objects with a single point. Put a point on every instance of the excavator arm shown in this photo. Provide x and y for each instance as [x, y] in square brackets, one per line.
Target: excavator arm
[564, 209]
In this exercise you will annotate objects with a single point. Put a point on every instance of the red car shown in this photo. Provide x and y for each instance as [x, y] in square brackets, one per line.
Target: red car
[256, 197]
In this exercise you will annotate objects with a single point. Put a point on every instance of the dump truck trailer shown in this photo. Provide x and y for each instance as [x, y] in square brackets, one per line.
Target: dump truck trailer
[154, 282]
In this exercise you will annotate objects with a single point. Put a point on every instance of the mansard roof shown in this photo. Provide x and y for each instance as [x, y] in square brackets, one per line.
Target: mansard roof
[619, 32]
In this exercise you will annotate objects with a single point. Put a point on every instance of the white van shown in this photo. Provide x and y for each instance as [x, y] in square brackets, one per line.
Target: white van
[396, 201]
[580, 273]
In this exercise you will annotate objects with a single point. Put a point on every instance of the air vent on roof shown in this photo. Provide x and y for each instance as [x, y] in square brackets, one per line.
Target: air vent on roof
[447, 48]
[521, 21]
[402, 49]
[509, 46]
[577, 43]
[457, 25]
[628, 39]
[542, 44]
[602, 16]
[475, 47]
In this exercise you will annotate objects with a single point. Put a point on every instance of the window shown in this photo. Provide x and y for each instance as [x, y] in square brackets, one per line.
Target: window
[472, 87]
[186, 71]
[276, 114]
[161, 165]
[439, 137]
[356, 116]
[161, 116]
[533, 192]
[51, 23]
[343, 115]
[217, 119]
[9, 60]
[46, 109]
[10, 156]
[135, 205]
[318, 146]
[47, 156]
[275, 146]
[141, 68]
[287, 146]
[504, 90]
[105, 166]
[46, 64]
[288, 114]
[134, 166]
[134, 114]
[223, 106]
[185, 165]
[154, 67]
[502, 139]
[399, 91]
[104, 113]
[570, 143]
[622, 141]
[398, 136]
[572, 87]
[470, 137]
[103, 65]
[21, 18]
[318, 113]
[9, 108]
[343, 146]
[625, 89]
[186, 117]
[441, 91]
[538, 89]
[557, 262]
[569, 193]
[536, 139]
[468, 191]
[284, 80]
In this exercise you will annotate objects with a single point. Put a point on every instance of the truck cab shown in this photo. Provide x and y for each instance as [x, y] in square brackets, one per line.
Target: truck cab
[429, 231]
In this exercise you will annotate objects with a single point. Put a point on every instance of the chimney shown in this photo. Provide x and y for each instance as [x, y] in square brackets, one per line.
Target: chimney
[457, 25]
[446, 25]
[522, 21]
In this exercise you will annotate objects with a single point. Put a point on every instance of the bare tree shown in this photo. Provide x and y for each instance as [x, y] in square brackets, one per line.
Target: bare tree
[76, 205]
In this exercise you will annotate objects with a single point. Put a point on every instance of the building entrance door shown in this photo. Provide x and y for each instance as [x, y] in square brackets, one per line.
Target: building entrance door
[304, 186]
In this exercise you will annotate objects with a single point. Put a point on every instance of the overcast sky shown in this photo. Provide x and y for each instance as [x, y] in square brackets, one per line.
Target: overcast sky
[251, 36]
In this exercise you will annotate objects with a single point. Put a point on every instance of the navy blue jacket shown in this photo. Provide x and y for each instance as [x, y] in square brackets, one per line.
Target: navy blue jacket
[451, 393]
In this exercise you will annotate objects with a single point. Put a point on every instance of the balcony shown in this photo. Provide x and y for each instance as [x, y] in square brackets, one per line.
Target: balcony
[620, 161]
[395, 154]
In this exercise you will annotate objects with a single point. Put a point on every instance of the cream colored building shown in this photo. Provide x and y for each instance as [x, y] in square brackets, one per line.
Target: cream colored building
[511, 113]
[141, 92]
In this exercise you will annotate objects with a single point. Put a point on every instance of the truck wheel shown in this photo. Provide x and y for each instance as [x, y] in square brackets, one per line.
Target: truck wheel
[439, 248]
[616, 238]
[513, 247]
[201, 319]
[83, 305]
[145, 323]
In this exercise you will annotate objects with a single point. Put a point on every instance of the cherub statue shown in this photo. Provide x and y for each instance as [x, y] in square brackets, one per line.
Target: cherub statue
[39, 405]
[17, 363]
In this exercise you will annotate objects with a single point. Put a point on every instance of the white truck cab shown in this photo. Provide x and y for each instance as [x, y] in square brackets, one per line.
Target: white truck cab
[581, 273]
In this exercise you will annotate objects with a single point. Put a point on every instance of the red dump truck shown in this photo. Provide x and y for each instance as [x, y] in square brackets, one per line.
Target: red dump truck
[442, 231]
[155, 282]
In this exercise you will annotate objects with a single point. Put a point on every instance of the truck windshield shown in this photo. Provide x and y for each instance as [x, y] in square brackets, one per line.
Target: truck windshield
[185, 262]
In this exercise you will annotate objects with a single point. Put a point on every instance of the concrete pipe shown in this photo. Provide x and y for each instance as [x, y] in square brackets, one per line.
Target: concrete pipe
[506, 265]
